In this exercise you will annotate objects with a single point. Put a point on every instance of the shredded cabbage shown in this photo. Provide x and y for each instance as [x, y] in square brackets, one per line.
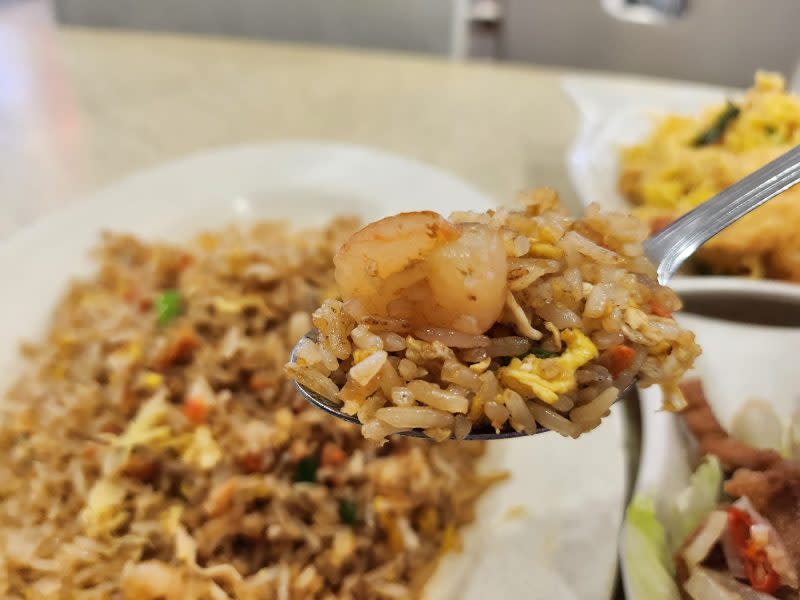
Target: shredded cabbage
[646, 553]
[697, 501]
[758, 425]
[171, 518]
[706, 584]
[203, 452]
[147, 426]
[102, 512]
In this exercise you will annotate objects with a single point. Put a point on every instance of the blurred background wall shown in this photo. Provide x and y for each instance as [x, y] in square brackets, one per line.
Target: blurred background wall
[715, 41]
[414, 25]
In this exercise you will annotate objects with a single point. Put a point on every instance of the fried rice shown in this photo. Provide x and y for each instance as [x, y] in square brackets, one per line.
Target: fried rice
[508, 319]
[153, 448]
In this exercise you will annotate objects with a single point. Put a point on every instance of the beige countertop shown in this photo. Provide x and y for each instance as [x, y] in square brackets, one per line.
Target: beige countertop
[83, 108]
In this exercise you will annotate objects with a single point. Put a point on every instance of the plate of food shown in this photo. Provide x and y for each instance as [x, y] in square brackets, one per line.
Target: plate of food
[715, 508]
[154, 447]
[658, 150]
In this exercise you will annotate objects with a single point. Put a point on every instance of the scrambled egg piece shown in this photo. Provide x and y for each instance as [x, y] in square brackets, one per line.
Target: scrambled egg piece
[147, 427]
[149, 381]
[235, 306]
[171, 518]
[546, 378]
[480, 367]
[545, 250]
[124, 356]
[388, 520]
[102, 511]
[451, 540]
[360, 354]
[203, 451]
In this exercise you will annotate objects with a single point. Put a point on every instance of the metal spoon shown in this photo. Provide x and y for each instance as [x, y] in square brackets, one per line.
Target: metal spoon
[667, 249]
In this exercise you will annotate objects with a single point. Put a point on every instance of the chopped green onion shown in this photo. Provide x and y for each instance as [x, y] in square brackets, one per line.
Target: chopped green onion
[542, 353]
[717, 129]
[537, 352]
[306, 470]
[168, 306]
[348, 512]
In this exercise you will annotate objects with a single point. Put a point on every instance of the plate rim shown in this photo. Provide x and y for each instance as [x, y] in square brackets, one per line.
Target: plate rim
[95, 198]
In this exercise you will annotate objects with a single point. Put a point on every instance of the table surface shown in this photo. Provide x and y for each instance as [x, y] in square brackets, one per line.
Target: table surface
[82, 108]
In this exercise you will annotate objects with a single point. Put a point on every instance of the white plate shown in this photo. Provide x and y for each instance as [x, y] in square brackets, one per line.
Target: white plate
[739, 362]
[567, 494]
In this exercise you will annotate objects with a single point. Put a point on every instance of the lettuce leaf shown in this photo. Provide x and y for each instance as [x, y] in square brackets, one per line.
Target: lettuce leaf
[646, 553]
[697, 501]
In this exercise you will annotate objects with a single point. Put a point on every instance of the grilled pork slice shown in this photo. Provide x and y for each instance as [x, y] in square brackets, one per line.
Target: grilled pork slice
[713, 439]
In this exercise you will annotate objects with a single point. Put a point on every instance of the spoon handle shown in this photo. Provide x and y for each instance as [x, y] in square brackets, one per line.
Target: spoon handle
[680, 239]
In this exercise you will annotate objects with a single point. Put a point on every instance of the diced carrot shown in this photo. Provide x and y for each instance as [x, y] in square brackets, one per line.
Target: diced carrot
[111, 428]
[660, 311]
[332, 455]
[179, 348]
[145, 304]
[185, 260]
[220, 498]
[260, 381]
[251, 462]
[133, 296]
[619, 358]
[195, 410]
[140, 468]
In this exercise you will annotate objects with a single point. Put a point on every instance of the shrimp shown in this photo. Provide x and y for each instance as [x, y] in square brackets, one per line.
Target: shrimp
[422, 268]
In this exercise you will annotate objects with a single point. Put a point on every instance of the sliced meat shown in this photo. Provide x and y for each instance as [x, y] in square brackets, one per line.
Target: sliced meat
[767, 480]
[734, 454]
[698, 415]
[762, 487]
[713, 439]
[775, 493]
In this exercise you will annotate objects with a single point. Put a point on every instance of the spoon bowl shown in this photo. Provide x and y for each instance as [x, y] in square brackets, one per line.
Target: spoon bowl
[667, 250]
[486, 432]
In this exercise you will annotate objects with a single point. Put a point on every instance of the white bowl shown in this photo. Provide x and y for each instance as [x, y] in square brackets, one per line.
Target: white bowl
[740, 361]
